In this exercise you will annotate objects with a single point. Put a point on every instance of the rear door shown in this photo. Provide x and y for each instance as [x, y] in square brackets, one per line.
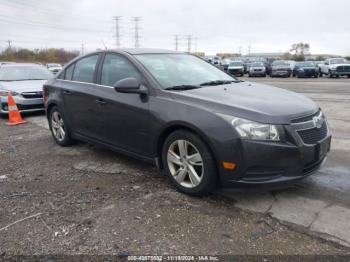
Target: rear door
[79, 94]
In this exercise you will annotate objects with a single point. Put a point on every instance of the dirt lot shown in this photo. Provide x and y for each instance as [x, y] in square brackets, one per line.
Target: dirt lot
[87, 200]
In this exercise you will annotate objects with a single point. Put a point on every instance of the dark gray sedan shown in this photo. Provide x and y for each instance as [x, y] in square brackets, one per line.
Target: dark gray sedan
[200, 126]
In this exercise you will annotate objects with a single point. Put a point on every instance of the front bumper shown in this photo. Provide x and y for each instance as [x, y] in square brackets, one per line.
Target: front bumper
[307, 73]
[257, 73]
[274, 164]
[235, 71]
[24, 104]
[280, 73]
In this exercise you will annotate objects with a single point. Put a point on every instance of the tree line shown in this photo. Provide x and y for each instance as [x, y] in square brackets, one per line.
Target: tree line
[49, 55]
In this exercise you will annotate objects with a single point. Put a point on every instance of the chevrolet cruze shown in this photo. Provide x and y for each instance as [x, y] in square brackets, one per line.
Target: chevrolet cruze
[200, 126]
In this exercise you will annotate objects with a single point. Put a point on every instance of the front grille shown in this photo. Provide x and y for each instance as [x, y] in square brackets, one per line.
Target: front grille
[32, 95]
[30, 107]
[305, 118]
[314, 135]
[343, 69]
[310, 71]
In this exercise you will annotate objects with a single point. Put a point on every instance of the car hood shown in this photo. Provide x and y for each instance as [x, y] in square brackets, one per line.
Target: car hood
[23, 86]
[256, 102]
[281, 66]
[235, 67]
[308, 67]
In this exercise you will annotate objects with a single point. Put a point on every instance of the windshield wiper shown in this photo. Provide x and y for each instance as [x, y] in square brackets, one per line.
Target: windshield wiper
[219, 82]
[182, 87]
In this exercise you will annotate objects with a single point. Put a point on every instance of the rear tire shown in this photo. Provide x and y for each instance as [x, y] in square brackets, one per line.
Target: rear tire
[59, 128]
[189, 164]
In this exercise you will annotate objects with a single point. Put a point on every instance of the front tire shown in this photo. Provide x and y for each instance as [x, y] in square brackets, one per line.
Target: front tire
[189, 164]
[59, 128]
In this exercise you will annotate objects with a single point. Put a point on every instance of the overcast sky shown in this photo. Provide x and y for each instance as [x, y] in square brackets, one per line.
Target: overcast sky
[218, 25]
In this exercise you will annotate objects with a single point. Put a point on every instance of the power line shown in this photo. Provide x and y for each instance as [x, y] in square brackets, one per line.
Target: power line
[117, 31]
[136, 20]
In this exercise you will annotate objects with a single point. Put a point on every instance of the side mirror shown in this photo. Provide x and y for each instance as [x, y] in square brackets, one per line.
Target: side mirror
[130, 85]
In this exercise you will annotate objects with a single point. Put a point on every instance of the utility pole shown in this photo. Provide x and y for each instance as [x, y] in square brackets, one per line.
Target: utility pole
[249, 48]
[117, 31]
[189, 42]
[195, 44]
[9, 43]
[176, 42]
[240, 50]
[82, 49]
[136, 20]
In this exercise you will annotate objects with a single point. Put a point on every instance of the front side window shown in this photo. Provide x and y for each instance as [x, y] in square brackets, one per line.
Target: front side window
[115, 68]
[181, 69]
[85, 69]
[69, 72]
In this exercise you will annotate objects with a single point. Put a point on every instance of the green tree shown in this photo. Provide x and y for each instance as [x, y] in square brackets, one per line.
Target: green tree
[300, 48]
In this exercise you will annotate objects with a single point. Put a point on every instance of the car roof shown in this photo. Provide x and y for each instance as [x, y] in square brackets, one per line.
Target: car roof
[138, 51]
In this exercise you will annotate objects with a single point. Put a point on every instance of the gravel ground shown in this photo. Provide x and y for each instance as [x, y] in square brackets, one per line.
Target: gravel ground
[87, 200]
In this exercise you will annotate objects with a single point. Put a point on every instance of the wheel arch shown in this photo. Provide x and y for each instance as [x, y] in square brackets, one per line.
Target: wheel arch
[49, 108]
[166, 131]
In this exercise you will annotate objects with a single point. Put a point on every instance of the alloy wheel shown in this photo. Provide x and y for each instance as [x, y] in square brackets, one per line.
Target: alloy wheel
[57, 126]
[185, 163]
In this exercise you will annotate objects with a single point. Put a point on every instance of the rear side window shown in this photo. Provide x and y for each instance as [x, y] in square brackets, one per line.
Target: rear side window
[85, 69]
[115, 68]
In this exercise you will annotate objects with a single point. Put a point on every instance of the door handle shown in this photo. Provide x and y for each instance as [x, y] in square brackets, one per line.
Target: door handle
[67, 92]
[101, 101]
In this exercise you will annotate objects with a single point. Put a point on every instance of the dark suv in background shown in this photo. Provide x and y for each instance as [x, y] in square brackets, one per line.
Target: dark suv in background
[305, 69]
[199, 125]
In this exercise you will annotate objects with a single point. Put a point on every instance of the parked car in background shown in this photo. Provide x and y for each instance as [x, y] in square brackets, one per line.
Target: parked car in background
[280, 68]
[305, 69]
[54, 67]
[257, 69]
[236, 68]
[335, 67]
[225, 63]
[6, 63]
[200, 126]
[25, 82]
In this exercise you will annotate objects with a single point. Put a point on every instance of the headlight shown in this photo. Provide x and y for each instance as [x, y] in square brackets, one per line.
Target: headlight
[6, 93]
[248, 129]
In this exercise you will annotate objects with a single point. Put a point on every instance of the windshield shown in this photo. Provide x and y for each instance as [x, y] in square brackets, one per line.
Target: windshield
[181, 69]
[257, 64]
[338, 61]
[280, 63]
[53, 65]
[306, 64]
[18, 73]
[236, 64]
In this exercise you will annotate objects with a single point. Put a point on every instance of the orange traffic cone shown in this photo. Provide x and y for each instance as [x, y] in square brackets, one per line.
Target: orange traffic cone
[14, 115]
